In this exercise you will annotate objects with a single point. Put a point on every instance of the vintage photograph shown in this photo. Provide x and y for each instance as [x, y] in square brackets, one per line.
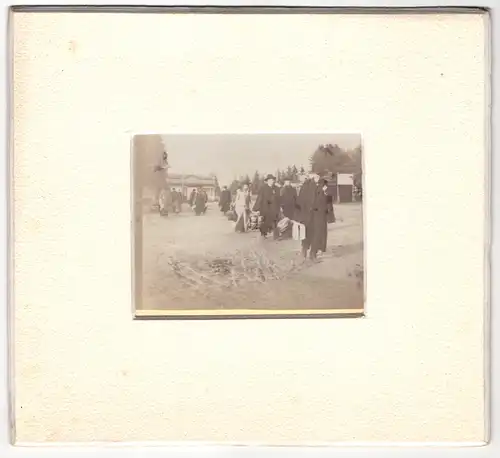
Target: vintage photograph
[248, 225]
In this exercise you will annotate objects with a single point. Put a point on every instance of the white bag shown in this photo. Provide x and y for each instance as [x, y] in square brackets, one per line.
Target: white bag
[298, 231]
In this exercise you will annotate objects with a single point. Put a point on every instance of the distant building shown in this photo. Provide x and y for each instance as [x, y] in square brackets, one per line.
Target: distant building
[345, 187]
[341, 187]
[187, 182]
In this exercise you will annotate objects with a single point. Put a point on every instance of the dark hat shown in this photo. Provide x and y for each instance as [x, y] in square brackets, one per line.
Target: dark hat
[270, 177]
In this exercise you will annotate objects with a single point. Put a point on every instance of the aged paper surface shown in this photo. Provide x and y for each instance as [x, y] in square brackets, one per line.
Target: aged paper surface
[412, 370]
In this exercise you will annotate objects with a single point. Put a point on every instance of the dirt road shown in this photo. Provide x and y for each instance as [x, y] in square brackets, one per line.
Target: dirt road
[199, 262]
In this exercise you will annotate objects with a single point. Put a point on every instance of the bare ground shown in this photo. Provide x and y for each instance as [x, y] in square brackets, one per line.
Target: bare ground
[192, 262]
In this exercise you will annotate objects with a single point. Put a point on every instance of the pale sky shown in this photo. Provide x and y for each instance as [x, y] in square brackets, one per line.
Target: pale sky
[232, 155]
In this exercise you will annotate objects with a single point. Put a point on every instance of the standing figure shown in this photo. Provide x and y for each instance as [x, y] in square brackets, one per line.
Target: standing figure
[289, 208]
[315, 209]
[177, 201]
[288, 199]
[268, 206]
[200, 202]
[225, 200]
[192, 197]
[165, 201]
[242, 208]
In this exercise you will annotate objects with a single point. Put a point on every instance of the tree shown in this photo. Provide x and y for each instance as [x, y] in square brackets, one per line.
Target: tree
[331, 158]
[294, 173]
[255, 185]
[261, 181]
[234, 186]
[302, 170]
[357, 157]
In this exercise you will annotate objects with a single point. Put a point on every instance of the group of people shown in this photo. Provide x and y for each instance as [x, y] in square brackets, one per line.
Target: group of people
[312, 207]
[198, 200]
[170, 200]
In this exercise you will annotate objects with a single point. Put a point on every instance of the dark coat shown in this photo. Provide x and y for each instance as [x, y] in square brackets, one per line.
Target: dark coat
[268, 204]
[225, 200]
[315, 210]
[289, 201]
[200, 202]
[192, 197]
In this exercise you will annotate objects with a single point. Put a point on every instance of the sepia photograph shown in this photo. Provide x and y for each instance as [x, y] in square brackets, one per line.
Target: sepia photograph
[241, 224]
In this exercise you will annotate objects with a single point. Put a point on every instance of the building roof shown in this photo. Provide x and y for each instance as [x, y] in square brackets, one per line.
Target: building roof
[191, 179]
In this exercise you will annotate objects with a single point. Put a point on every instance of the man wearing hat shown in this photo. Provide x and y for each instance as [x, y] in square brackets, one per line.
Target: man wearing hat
[315, 210]
[268, 206]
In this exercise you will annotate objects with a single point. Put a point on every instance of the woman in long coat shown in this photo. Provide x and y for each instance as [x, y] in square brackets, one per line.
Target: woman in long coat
[315, 210]
[268, 206]
[242, 207]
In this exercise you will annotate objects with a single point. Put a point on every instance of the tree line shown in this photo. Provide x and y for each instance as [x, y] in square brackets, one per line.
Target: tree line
[292, 173]
[328, 159]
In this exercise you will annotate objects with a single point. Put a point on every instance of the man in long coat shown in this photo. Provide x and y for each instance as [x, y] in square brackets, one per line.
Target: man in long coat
[288, 199]
[192, 197]
[268, 206]
[225, 200]
[200, 202]
[315, 211]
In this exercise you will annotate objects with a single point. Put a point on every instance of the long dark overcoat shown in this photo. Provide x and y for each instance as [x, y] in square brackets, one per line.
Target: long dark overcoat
[268, 204]
[225, 200]
[289, 201]
[200, 202]
[315, 209]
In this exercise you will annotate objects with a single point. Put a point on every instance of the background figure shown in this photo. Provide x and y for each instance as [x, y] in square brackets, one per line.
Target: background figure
[176, 200]
[200, 202]
[288, 206]
[192, 197]
[242, 208]
[165, 201]
[288, 199]
[315, 206]
[268, 205]
[225, 200]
